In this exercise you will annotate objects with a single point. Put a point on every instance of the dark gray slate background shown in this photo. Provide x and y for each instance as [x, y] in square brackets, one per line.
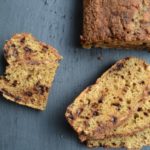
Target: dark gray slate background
[59, 23]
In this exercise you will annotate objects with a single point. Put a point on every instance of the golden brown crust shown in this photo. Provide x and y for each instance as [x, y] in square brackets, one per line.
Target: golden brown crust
[116, 23]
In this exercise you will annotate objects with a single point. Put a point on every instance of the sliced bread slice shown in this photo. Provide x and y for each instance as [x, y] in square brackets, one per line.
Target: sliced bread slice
[30, 72]
[113, 99]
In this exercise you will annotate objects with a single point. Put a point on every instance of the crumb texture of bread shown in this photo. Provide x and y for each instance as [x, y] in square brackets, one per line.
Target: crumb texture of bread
[139, 121]
[116, 23]
[111, 101]
[135, 142]
[30, 72]
[134, 134]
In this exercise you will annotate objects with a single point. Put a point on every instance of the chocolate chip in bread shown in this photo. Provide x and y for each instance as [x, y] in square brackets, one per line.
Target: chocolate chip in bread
[135, 142]
[30, 72]
[111, 101]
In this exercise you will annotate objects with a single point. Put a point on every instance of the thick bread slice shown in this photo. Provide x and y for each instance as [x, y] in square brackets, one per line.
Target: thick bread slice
[135, 142]
[111, 100]
[30, 73]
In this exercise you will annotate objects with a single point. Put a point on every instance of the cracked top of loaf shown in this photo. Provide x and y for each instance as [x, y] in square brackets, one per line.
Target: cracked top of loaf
[116, 23]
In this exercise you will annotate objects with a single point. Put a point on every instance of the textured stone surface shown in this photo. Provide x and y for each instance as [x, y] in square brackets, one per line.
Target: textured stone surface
[58, 23]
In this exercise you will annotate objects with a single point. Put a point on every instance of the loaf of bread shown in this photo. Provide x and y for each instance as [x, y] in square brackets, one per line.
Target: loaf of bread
[30, 72]
[116, 23]
[111, 101]
[135, 142]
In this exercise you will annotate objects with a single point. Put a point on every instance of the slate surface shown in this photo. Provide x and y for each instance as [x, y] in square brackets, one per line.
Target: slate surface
[58, 22]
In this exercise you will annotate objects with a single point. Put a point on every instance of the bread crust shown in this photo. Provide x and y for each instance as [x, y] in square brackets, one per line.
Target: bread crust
[116, 23]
